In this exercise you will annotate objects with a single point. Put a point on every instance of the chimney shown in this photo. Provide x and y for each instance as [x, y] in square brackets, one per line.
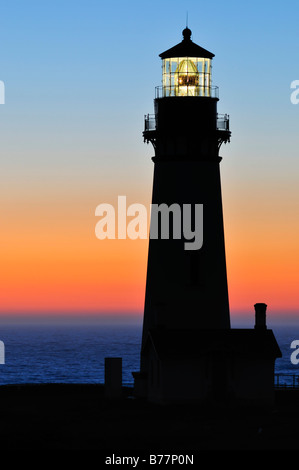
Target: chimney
[260, 316]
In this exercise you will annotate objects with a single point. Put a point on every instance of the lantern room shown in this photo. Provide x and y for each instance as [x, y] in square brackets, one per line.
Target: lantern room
[186, 70]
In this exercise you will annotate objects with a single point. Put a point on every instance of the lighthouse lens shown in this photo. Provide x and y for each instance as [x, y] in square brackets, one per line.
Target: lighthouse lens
[187, 78]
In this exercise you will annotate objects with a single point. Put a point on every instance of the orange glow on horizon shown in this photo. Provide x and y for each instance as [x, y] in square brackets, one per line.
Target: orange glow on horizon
[52, 262]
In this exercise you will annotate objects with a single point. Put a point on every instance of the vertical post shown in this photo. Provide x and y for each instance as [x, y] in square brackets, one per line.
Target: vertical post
[113, 377]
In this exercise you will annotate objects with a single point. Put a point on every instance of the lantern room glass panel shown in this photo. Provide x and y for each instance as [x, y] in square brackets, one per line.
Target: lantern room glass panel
[186, 76]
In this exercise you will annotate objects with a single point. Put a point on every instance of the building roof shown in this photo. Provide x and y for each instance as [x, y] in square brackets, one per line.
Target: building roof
[186, 48]
[174, 344]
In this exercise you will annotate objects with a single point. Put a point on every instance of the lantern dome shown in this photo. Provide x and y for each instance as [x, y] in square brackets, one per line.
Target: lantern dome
[186, 69]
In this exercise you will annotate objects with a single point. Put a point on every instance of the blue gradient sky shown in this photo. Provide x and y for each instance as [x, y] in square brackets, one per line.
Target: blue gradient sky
[80, 72]
[79, 77]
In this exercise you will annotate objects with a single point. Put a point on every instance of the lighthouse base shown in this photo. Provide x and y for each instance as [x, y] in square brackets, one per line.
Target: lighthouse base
[230, 367]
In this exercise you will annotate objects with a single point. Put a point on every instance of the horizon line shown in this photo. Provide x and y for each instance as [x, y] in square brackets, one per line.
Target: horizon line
[130, 317]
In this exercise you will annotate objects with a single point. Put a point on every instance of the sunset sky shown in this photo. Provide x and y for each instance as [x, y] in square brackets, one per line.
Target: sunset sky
[79, 77]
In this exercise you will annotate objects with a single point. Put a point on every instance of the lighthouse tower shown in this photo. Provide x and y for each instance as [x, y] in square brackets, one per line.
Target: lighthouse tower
[186, 308]
[187, 285]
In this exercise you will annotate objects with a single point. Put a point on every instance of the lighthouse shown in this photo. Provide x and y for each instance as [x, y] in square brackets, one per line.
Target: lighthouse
[186, 133]
[188, 347]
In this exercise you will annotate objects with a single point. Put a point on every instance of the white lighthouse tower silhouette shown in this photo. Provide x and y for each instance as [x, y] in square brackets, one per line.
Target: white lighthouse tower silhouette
[189, 351]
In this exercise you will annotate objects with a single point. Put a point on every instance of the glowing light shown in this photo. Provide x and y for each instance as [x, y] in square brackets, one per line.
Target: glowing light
[185, 76]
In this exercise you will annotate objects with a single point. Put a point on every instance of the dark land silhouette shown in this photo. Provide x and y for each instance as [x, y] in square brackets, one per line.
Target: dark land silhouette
[74, 417]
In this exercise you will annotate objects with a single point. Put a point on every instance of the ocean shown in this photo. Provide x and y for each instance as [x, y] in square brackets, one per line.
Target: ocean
[75, 352]
[67, 353]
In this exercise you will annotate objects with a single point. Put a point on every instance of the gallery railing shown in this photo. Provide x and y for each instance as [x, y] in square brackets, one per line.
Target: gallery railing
[222, 122]
[197, 91]
[283, 381]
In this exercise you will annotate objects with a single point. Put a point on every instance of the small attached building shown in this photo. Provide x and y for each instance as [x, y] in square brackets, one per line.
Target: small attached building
[231, 366]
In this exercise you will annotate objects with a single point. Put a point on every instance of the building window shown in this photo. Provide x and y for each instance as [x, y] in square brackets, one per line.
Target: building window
[152, 372]
[194, 265]
[158, 372]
